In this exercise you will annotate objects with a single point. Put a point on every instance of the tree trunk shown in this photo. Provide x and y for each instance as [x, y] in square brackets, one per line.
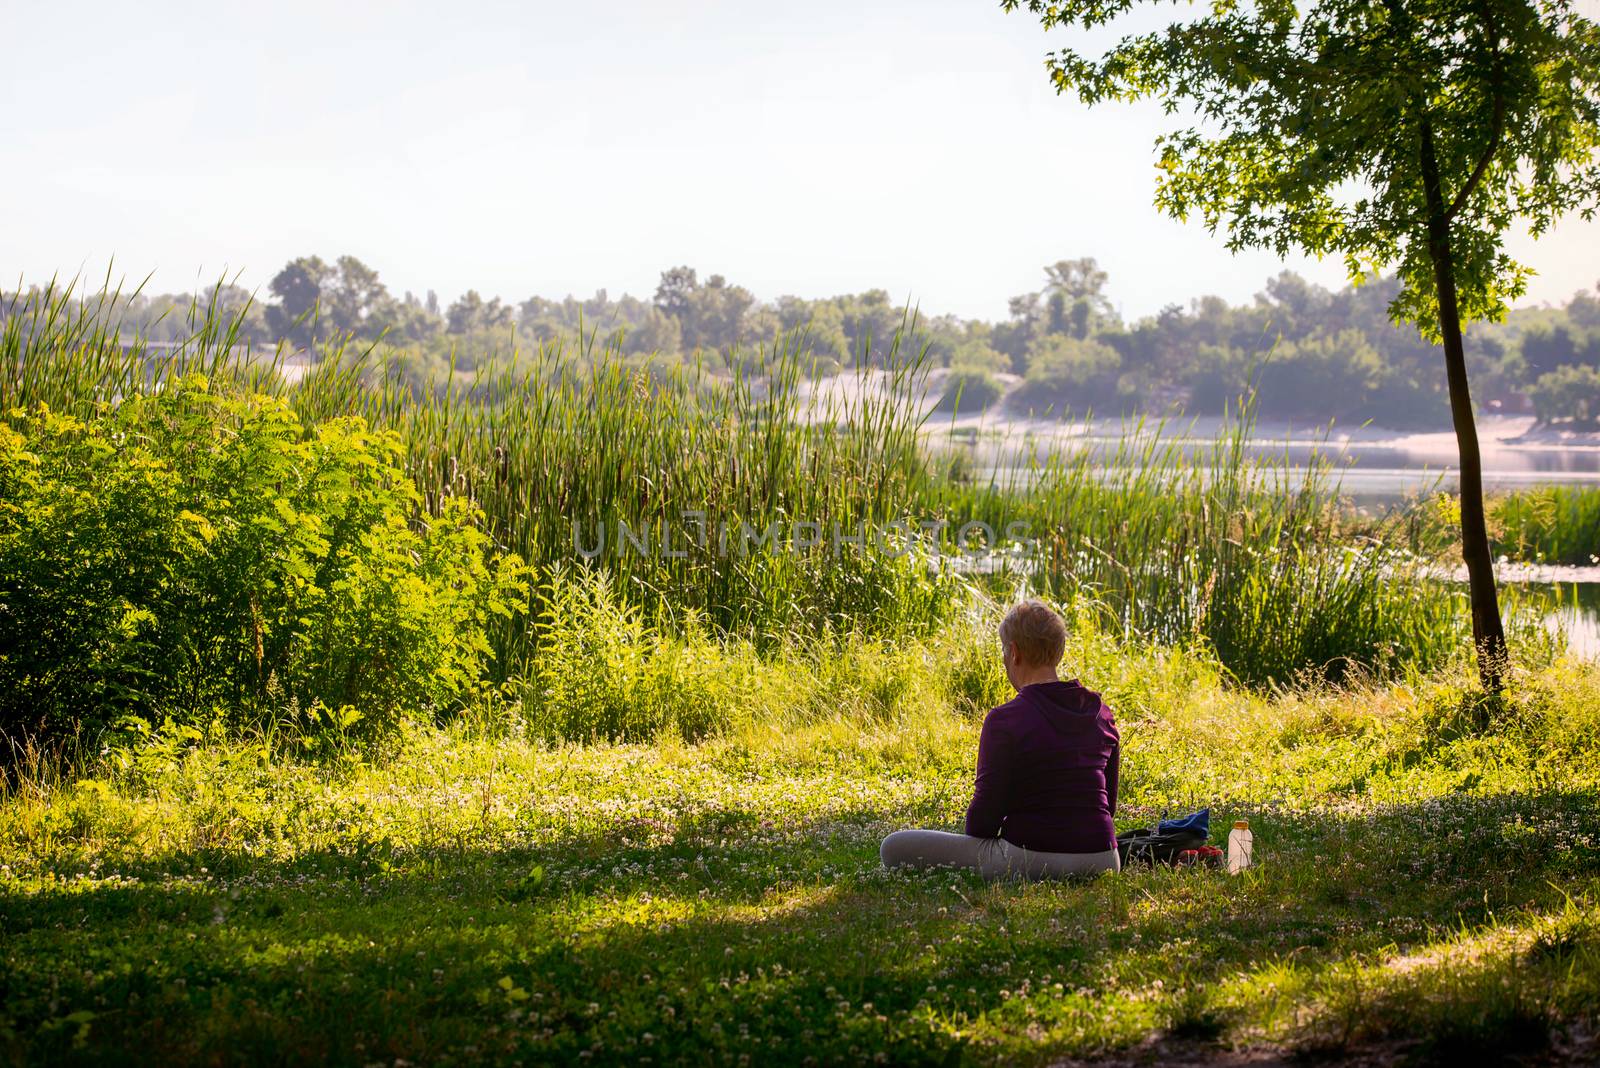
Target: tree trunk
[1487, 633]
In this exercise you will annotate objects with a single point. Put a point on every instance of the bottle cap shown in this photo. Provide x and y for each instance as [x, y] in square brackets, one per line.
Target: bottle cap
[1241, 825]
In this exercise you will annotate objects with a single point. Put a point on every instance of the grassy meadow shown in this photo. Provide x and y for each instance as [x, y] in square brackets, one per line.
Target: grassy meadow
[327, 746]
[1424, 887]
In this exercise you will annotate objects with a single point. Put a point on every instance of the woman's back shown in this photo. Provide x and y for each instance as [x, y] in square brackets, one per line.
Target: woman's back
[1048, 763]
[1047, 771]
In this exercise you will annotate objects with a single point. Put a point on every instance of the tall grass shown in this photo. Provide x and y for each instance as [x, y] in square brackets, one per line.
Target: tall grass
[1222, 546]
[655, 473]
[68, 349]
[1551, 525]
[671, 466]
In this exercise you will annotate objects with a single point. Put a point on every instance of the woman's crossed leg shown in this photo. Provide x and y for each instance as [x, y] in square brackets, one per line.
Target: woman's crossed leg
[990, 857]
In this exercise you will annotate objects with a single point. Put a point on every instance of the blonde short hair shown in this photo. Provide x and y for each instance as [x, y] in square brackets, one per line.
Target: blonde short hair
[1036, 631]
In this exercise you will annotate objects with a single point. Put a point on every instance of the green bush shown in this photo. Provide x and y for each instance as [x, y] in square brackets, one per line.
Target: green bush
[1321, 375]
[1065, 372]
[1218, 376]
[1568, 393]
[968, 390]
[195, 555]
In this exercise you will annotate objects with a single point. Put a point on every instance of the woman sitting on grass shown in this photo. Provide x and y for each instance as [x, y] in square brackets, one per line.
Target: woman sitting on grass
[1047, 771]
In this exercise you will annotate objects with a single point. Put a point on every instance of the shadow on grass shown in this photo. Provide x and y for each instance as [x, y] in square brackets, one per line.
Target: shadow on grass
[723, 938]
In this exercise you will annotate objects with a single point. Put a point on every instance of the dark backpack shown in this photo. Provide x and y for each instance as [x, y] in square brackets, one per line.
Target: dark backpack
[1145, 846]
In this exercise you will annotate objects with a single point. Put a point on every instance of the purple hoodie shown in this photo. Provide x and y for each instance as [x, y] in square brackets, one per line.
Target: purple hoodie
[1047, 771]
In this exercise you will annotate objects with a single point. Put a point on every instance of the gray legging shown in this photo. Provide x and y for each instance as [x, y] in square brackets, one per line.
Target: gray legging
[990, 857]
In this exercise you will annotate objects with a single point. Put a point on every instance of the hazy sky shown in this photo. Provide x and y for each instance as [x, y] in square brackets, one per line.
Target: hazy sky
[533, 147]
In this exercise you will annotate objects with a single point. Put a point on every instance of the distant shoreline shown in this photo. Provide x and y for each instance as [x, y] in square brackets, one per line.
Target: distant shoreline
[1498, 435]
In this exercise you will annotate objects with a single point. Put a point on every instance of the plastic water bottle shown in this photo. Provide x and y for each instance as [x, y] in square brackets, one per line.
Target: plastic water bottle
[1240, 847]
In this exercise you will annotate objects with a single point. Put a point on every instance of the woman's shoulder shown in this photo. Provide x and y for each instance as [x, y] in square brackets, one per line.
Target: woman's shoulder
[1107, 718]
[1016, 717]
[1013, 708]
[1090, 700]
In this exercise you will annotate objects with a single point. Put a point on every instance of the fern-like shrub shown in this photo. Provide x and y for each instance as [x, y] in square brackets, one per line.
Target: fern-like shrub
[200, 556]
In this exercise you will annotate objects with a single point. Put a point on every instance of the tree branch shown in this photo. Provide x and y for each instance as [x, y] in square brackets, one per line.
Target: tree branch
[1498, 123]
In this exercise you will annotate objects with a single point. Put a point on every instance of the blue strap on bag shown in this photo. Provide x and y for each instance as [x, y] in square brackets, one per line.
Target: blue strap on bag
[1194, 821]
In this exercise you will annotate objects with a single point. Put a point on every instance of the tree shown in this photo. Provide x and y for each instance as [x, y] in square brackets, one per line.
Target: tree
[1082, 277]
[1074, 293]
[316, 300]
[709, 315]
[973, 353]
[1549, 348]
[718, 315]
[471, 313]
[1568, 393]
[968, 389]
[871, 322]
[1584, 309]
[1217, 376]
[1015, 337]
[356, 301]
[1299, 304]
[237, 307]
[1325, 374]
[820, 324]
[298, 289]
[676, 290]
[658, 335]
[1405, 133]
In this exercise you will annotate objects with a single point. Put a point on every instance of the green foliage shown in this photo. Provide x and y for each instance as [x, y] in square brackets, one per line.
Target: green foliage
[600, 672]
[973, 677]
[973, 353]
[1322, 376]
[1178, 546]
[1075, 298]
[1547, 347]
[567, 452]
[968, 390]
[1202, 356]
[317, 301]
[576, 443]
[709, 314]
[190, 553]
[1409, 134]
[1065, 372]
[1221, 373]
[1568, 394]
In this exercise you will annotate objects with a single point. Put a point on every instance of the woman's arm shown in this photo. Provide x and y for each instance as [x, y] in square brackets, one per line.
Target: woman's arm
[1113, 766]
[989, 795]
[1113, 772]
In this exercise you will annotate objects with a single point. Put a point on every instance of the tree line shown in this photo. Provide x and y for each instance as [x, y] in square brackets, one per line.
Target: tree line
[1308, 352]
